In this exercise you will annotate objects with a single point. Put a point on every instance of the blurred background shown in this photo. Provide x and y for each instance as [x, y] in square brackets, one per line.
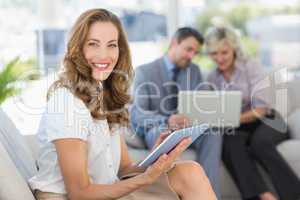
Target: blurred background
[33, 37]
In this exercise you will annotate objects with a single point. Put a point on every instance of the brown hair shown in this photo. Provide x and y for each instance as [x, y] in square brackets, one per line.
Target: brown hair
[107, 102]
[185, 32]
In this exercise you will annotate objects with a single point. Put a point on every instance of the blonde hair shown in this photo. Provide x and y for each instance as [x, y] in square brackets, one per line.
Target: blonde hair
[103, 102]
[218, 34]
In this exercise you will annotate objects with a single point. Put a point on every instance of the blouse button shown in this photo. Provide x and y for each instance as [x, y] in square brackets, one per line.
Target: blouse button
[110, 165]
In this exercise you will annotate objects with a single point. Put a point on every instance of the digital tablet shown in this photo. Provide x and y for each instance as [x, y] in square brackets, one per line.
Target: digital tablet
[172, 140]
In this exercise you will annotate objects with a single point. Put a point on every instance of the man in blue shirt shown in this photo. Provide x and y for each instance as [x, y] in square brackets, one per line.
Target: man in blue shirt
[156, 86]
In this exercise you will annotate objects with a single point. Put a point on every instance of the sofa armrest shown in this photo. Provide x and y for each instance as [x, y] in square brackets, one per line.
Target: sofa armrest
[294, 124]
[33, 145]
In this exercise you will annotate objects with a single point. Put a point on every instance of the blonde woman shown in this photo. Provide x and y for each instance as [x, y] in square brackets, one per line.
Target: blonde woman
[83, 153]
[254, 140]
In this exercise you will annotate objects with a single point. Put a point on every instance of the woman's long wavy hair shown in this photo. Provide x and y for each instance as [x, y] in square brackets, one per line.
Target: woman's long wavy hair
[107, 102]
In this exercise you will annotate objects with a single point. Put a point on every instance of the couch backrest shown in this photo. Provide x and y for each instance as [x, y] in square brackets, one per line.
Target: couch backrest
[13, 186]
[17, 164]
[33, 145]
[294, 94]
[282, 96]
[16, 147]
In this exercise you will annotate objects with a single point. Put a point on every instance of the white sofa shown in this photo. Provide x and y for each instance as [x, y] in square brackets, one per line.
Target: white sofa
[13, 184]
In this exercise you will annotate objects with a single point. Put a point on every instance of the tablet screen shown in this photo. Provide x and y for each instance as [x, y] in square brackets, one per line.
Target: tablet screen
[172, 140]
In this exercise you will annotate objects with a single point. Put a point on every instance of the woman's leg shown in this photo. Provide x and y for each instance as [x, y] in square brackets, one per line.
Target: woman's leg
[263, 147]
[39, 195]
[241, 164]
[189, 181]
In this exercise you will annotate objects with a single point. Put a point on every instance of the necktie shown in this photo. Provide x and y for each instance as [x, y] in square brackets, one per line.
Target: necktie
[174, 90]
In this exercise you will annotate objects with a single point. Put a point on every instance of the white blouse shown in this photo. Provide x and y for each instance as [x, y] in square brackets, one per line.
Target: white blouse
[66, 116]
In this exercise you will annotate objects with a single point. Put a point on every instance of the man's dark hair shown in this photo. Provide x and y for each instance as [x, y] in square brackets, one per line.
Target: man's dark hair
[185, 32]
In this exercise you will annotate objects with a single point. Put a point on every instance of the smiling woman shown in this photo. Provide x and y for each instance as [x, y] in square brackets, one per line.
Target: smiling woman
[97, 56]
[83, 154]
[101, 49]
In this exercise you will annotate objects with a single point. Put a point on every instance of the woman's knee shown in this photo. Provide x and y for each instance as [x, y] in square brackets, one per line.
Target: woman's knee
[191, 166]
[260, 142]
[261, 147]
[187, 172]
[189, 178]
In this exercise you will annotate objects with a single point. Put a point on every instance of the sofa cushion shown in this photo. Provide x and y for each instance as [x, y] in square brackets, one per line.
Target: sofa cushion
[294, 124]
[12, 185]
[15, 145]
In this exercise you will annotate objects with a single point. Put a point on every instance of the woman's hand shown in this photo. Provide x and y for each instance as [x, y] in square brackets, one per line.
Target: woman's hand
[161, 138]
[164, 162]
[253, 114]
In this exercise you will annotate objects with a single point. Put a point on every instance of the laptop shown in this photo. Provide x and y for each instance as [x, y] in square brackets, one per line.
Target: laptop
[217, 108]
